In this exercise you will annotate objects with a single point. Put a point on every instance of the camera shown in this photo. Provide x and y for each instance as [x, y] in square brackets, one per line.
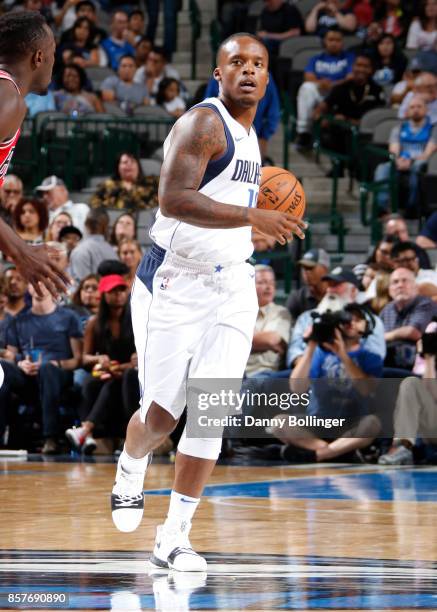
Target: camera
[325, 324]
[429, 340]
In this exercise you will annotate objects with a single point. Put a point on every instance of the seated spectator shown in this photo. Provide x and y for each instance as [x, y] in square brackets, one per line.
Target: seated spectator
[390, 63]
[327, 14]
[363, 11]
[279, 21]
[130, 253]
[116, 46]
[136, 27]
[169, 99]
[427, 238]
[323, 71]
[15, 289]
[314, 265]
[415, 413]
[46, 344]
[122, 89]
[422, 33]
[61, 220]
[124, 227]
[72, 98]
[80, 49]
[142, 50]
[129, 188]
[425, 85]
[30, 219]
[268, 112]
[391, 17]
[413, 143]
[86, 299]
[39, 104]
[380, 297]
[405, 255]
[83, 8]
[70, 236]
[342, 289]
[156, 69]
[381, 254]
[406, 85]
[272, 327]
[111, 393]
[344, 359]
[405, 319]
[11, 193]
[396, 226]
[93, 249]
[55, 194]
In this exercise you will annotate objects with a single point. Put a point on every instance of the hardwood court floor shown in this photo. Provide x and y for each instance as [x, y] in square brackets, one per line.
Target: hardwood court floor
[279, 537]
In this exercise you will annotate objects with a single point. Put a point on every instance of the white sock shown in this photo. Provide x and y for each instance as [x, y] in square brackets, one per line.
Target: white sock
[182, 508]
[132, 465]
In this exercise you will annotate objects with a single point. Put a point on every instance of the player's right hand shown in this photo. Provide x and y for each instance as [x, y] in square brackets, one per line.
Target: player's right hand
[280, 225]
[34, 264]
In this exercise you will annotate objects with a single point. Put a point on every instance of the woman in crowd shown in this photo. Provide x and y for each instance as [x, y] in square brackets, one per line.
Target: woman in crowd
[382, 252]
[389, 62]
[30, 219]
[62, 219]
[124, 227]
[80, 49]
[86, 299]
[111, 393]
[72, 98]
[130, 253]
[168, 97]
[129, 188]
[422, 34]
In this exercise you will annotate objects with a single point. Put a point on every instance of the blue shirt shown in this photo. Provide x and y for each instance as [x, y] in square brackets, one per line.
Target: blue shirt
[115, 51]
[332, 67]
[38, 104]
[328, 397]
[268, 112]
[429, 230]
[49, 333]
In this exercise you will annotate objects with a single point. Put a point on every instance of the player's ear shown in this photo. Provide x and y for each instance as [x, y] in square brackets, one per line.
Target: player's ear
[37, 58]
[217, 75]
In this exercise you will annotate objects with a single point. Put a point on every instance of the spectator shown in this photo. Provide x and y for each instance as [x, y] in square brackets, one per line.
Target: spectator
[80, 49]
[272, 327]
[156, 69]
[279, 21]
[11, 193]
[86, 299]
[412, 143]
[422, 33]
[425, 85]
[93, 249]
[5, 317]
[382, 253]
[406, 85]
[170, 23]
[136, 27]
[142, 50]
[72, 98]
[61, 220]
[129, 188]
[39, 104]
[46, 343]
[415, 413]
[31, 218]
[405, 319]
[389, 62]
[232, 16]
[327, 14]
[390, 15]
[130, 253]
[111, 394]
[344, 359]
[268, 113]
[70, 236]
[121, 88]
[16, 289]
[363, 11]
[314, 265]
[124, 227]
[427, 239]
[169, 99]
[405, 255]
[116, 46]
[84, 8]
[323, 71]
[376, 295]
[342, 289]
[56, 196]
[397, 227]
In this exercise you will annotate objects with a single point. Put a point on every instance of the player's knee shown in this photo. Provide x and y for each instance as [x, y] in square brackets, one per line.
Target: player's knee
[159, 421]
[203, 448]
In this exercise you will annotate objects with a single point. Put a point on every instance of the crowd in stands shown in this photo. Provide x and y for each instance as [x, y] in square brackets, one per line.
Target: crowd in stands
[73, 362]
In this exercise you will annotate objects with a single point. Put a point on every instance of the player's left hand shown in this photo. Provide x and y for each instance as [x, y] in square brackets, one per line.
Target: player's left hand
[35, 265]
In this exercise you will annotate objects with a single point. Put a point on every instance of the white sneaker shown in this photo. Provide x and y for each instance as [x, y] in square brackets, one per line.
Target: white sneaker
[400, 456]
[173, 550]
[89, 446]
[127, 499]
[76, 436]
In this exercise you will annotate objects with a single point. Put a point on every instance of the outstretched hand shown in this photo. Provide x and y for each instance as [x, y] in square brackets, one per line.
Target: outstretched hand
[35, 265]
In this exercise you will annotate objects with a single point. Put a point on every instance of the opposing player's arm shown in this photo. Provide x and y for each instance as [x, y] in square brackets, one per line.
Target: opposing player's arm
[198, 138]
[12, 110]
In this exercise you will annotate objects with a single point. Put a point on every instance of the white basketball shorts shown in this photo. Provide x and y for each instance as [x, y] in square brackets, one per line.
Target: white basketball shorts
[190, 320]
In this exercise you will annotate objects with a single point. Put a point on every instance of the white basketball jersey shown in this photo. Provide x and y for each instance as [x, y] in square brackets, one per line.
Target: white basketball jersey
[231, 179]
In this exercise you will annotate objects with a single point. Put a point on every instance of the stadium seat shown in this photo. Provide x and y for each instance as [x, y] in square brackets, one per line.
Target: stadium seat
[375, 116]
[150, 167]
[290, 47]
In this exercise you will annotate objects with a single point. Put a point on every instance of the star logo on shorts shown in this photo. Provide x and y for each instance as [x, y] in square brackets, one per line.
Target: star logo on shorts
[218, 268]
[165, 283]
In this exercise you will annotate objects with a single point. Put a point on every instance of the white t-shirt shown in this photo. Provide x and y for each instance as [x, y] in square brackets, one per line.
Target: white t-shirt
[418, 38]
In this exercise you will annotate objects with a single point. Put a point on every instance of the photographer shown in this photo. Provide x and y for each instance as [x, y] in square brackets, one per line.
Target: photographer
[416, 406]
[347, 368]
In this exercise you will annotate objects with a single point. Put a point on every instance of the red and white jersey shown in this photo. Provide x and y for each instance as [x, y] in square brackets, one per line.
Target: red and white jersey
[7, 147]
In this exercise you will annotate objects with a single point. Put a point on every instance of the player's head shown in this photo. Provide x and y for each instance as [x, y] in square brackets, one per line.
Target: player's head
[242, 69]
[26, 39]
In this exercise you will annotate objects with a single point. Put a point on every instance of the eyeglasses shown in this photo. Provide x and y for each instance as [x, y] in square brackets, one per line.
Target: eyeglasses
[405, 260]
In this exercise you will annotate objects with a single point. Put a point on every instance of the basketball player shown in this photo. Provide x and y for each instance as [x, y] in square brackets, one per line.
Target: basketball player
[27, 53]
[194, 302]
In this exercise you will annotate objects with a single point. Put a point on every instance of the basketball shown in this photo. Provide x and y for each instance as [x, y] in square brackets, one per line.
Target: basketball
[280, 190]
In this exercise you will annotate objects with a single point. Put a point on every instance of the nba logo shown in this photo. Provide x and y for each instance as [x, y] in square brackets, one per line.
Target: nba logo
[165, 283]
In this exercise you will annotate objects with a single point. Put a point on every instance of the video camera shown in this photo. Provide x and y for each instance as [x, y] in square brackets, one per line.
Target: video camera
[333, 312]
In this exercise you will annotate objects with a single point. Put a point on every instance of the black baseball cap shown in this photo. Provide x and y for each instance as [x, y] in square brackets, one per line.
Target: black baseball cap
[70, 229]
[340, 275]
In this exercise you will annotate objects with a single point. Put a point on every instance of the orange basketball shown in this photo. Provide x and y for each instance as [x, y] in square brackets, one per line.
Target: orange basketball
[280, 190]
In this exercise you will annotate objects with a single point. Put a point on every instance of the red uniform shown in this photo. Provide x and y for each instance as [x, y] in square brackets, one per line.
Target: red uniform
[7, 147]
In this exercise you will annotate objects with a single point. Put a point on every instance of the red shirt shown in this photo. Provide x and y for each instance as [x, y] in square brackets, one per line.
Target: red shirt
[7, 147]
